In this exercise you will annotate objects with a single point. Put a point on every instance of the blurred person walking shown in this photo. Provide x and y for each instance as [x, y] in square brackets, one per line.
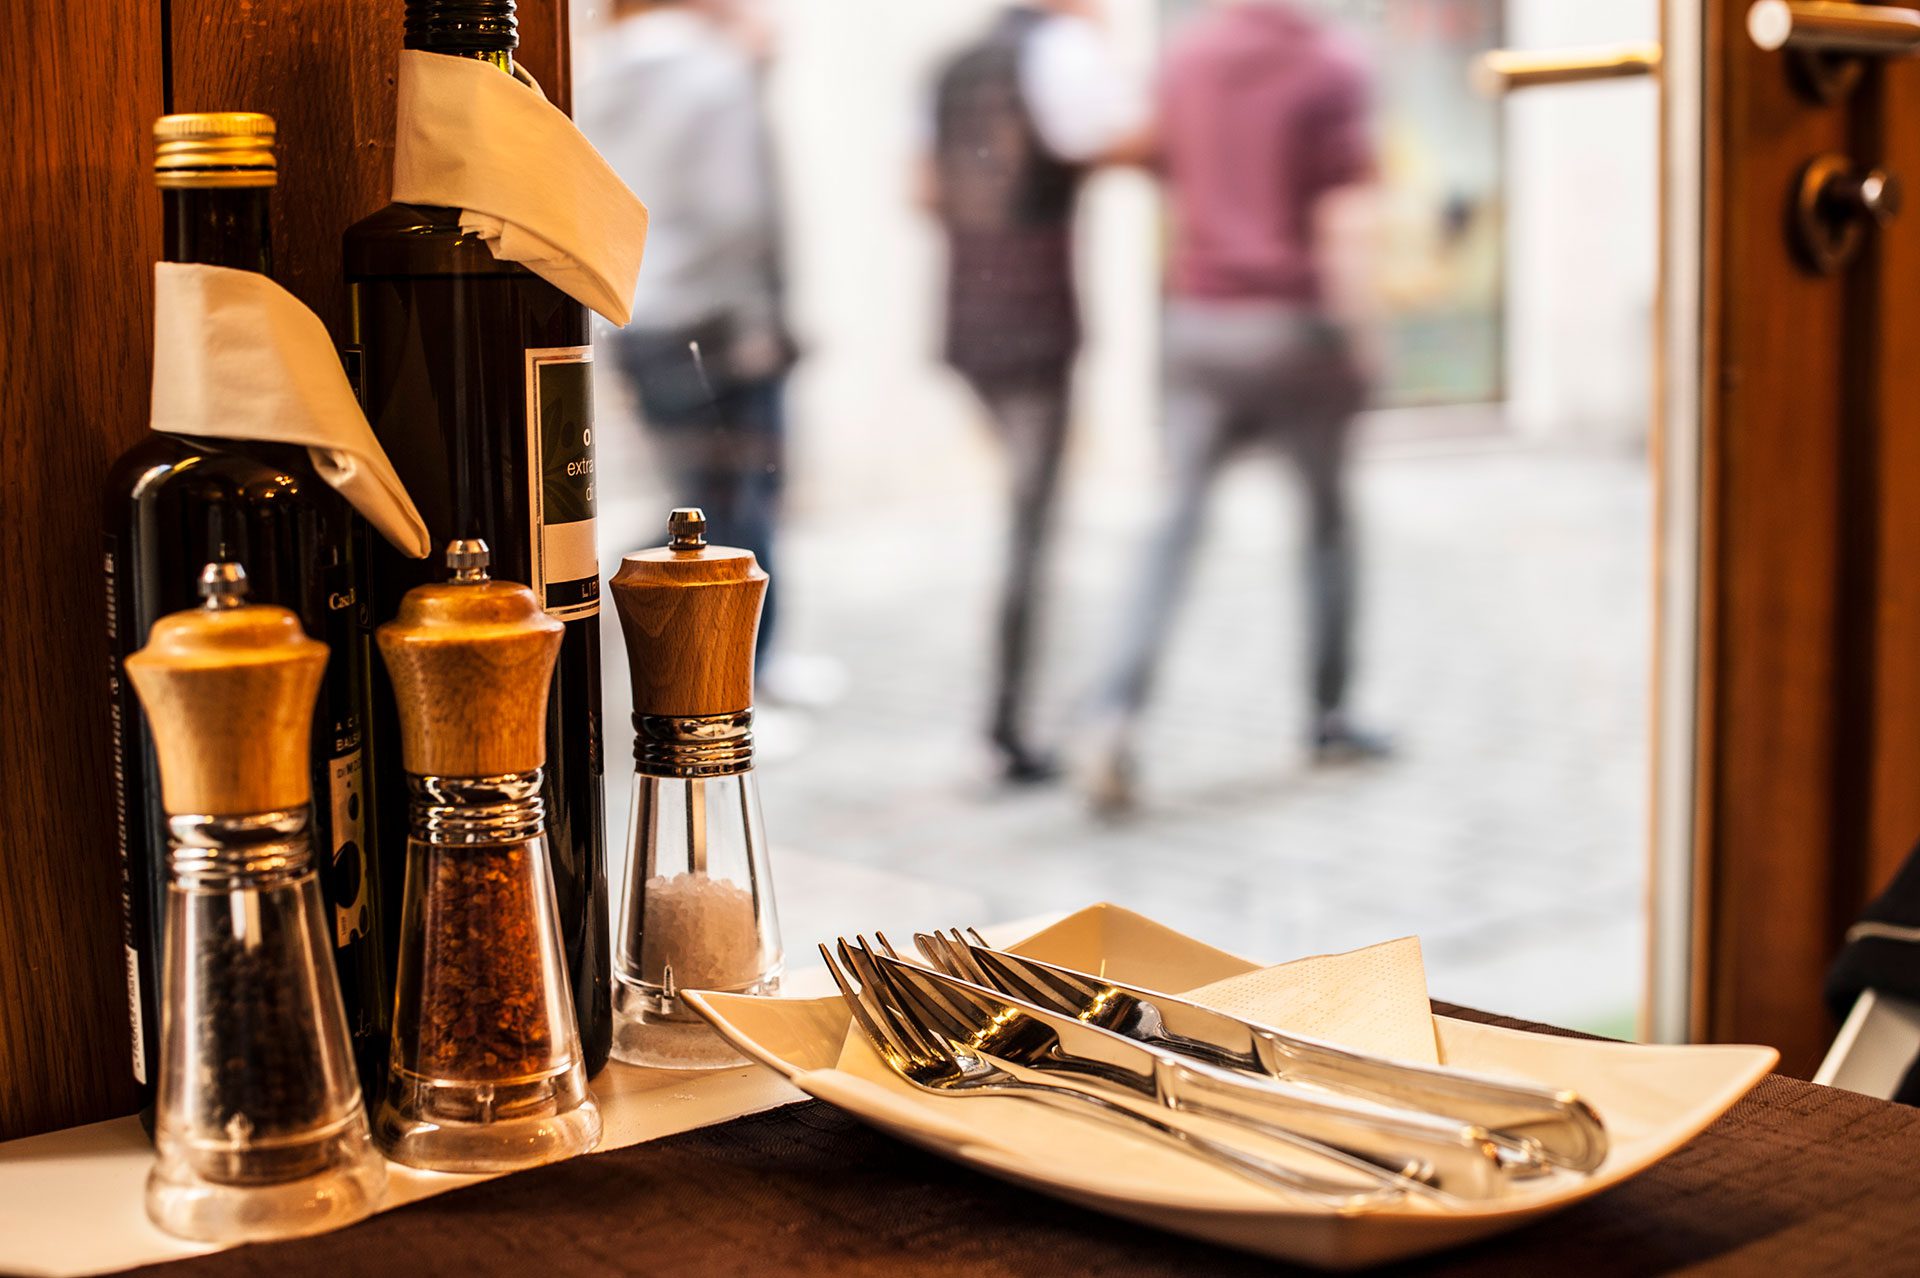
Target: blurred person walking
[1019, 117]
[674, 104]
[1266, 151]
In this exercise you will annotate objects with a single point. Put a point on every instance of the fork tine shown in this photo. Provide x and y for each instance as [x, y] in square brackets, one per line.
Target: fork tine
[938, 1024]
[963, 958]
[961, 1014]
[1068, 984]
[884, 1000]
[1017, 980]
[883, 1042]
[941, 954]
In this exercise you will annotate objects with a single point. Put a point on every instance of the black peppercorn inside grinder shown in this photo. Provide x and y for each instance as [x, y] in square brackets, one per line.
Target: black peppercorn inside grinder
[260, 1130]
[487, 1073]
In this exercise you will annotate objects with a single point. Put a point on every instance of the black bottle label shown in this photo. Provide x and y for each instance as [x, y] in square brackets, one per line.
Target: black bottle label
[352, 889]
[561, 505]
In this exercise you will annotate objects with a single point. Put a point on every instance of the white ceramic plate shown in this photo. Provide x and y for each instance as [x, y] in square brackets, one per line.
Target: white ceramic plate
[1653, 1100]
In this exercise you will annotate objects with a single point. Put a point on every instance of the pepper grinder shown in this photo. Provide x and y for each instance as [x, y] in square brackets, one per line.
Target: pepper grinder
[487, 1072]
[259, 1129]
[698, 908]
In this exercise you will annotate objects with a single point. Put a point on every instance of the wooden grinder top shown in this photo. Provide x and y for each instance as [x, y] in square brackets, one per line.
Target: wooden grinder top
[471, 661]
[229, 692]
[691, 616]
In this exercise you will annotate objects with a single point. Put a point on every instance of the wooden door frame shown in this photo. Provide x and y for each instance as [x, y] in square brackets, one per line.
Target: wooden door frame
[1801, 787]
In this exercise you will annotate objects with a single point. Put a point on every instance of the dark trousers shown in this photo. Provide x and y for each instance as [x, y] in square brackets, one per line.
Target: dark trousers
[1030, 420]
[719, 440]
[1240, 376]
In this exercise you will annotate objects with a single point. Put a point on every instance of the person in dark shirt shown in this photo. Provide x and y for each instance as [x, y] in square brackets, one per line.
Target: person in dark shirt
[1265, 148]
[1018, 117]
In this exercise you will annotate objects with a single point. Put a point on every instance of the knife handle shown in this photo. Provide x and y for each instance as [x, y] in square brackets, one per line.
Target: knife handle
[1563, 1127]
[1459, 1159]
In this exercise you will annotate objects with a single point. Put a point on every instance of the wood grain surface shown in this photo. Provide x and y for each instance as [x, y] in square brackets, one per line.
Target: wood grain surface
[692, 621]
[229, 695]
[83, 229]
[1809, 763]
[471, 666]
[1777, 408]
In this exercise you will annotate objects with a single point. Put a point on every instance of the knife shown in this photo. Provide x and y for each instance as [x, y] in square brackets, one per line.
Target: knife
[1557, 1126]
[1455, 1159]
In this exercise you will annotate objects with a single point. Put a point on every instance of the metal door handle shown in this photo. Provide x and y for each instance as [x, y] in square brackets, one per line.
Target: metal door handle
[1504, 70]
[1818, 26]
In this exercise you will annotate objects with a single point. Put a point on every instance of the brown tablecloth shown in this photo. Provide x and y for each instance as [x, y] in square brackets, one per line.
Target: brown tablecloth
[1796, 1179]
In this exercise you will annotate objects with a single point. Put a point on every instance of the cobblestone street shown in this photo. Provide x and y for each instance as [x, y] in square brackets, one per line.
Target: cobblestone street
[1505, 639]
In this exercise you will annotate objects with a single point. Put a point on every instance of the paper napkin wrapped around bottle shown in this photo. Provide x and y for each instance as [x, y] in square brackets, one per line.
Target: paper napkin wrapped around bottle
[1372, 1000]
[236, 356]
[525, 179]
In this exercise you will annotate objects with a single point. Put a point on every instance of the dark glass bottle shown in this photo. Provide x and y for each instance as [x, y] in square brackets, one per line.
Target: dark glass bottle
[174, 503]
[476, 376]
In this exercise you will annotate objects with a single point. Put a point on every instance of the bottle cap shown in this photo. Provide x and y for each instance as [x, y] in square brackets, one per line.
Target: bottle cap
[691, 616]
[214, 149]
[471, 660]
[229, 689]
[461, 26]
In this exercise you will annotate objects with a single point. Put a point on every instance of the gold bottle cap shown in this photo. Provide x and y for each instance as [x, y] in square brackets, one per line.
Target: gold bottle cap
[213, 149]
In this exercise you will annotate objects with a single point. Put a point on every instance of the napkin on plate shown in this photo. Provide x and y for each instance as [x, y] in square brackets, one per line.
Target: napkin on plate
[236, 356]
[1372, 1000]
[524, 178]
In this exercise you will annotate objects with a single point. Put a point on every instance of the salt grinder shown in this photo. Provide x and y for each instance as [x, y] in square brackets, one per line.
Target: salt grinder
[698, 908]
[487, 1072]
[259, 1130]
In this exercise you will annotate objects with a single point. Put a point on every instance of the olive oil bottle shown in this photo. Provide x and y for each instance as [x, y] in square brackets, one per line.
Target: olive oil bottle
[174, 503]
[476, 377]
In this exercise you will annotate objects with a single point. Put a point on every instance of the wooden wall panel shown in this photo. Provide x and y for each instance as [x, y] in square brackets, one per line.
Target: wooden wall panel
[323, 69]
[81, 228]
[82, 225]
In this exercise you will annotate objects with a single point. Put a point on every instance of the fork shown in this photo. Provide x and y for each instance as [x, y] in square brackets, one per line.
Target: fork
[1532, 1123]
[941, 1063]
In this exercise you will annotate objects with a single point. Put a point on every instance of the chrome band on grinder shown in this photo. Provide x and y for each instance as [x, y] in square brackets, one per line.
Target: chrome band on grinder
[693, 746]
[257, 850]
[471, 811]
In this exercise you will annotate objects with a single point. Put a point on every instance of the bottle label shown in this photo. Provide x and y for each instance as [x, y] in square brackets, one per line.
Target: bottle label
[566, 565]
[133, 1010]
[110, 565]
[351, 888]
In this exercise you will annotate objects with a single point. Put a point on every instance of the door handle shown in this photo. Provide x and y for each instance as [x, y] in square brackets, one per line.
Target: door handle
[1818, 26]
[1504, 70]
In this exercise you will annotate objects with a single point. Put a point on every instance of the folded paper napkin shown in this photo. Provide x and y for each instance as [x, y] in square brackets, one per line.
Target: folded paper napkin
[471, 138]
[1372, 1000]
[236, 356]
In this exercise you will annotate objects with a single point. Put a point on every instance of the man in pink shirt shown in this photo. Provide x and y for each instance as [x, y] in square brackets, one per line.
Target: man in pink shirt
[1266, 149]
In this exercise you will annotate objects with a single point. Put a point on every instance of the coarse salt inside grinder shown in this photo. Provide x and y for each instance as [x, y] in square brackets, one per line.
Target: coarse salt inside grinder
[698, 910]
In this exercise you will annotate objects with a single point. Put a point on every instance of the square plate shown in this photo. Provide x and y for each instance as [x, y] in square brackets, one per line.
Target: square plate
[1653, 1099]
